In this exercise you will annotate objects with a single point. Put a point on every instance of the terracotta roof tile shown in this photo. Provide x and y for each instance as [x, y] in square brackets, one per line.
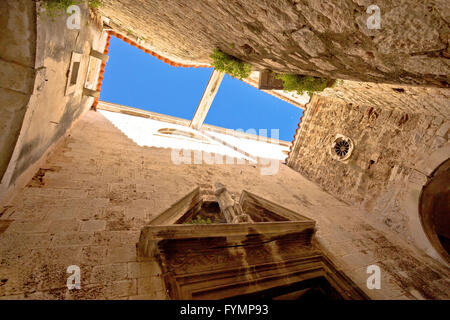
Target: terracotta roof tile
[295, 135]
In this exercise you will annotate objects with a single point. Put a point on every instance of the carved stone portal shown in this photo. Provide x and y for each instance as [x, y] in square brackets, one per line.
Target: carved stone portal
[269, 254]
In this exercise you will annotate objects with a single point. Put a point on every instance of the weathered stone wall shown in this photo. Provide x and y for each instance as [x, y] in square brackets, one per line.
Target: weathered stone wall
[389, 143]
[38, 51]
[17, 73]
[87, 205]
[321, 38]
[404, 98]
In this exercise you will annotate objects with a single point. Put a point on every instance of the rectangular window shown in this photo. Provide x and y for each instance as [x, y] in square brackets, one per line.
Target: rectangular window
[74, 73]
[75, 69]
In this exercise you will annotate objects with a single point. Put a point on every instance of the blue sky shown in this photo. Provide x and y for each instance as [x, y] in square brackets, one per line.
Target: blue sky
[137, 79]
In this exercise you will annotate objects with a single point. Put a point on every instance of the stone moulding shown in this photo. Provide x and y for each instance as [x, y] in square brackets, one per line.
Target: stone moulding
[416, 182]
[271, 257]
[432, 210]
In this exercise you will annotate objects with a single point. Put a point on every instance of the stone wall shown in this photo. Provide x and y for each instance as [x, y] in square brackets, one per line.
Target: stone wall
[17, 72]
[404, 98]
[388, 145]
[87, 205]
[321, 38]
[37, 109]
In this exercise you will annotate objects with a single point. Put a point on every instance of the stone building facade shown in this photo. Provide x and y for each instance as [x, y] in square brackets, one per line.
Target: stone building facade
[88, 204]
[37, 57]
[381, 96]
[391, 145]
[320, 38]
[75, 190]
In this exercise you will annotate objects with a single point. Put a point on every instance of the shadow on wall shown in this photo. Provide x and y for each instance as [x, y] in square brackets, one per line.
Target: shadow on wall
[43, 108]
[435, 209]
[17, 72]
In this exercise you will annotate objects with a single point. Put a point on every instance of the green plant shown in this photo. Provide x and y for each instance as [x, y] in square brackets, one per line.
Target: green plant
[131, 32]
[231, 65]
[302, 84]
[199, 220]
[55, 8]
[95, 3]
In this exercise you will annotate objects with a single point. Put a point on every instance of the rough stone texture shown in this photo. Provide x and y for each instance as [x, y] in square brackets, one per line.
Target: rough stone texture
[389, 142]
[33, 75]
[17, 43]
[55, 111]
[321, 38]
[407, 99]
[98, 174]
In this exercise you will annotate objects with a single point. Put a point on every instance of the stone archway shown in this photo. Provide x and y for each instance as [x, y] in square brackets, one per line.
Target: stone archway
[423, 171]
[435, 209]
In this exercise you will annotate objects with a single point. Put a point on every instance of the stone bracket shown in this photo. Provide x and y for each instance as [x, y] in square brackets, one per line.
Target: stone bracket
[99, 55]
[91, 93]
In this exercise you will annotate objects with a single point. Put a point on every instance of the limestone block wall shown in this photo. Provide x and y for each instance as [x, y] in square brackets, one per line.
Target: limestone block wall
[36, 111]
[87, 205]
[404, 98]
[321, 38]
[389, 144]
[17, 73]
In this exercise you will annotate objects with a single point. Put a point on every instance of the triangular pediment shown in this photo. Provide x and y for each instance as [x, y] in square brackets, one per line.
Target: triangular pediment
[269, 251]
[181, 208]
[271, 221]
[258, 208]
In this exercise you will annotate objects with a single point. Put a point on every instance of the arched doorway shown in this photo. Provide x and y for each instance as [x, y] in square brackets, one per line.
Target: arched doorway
[434, 209]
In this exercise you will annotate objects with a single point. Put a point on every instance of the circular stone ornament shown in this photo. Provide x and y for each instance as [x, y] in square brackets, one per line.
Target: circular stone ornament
[341, 148]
